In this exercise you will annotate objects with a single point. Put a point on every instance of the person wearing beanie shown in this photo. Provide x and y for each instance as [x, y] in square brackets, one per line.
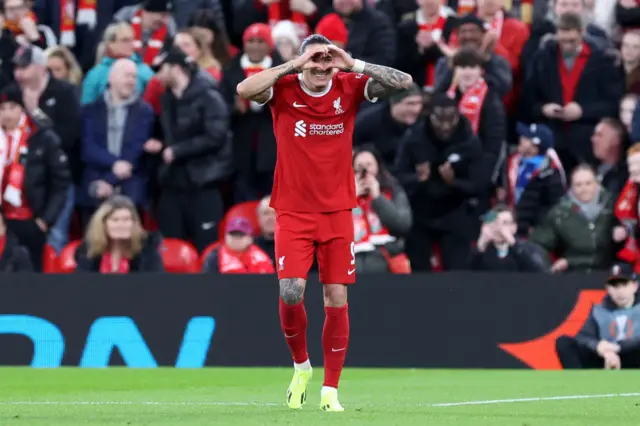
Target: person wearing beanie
[384, 125]
[332, 27]
[285, 39]
[535, 177]
[153, 27]
[196, 153]
[34, 173]
[252, 123]
[440, 166]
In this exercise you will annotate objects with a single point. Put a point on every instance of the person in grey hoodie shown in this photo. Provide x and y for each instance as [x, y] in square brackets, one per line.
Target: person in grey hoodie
[115, 129]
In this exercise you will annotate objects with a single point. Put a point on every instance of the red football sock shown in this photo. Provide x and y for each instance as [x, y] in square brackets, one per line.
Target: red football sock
[293, 319]
[335, 339]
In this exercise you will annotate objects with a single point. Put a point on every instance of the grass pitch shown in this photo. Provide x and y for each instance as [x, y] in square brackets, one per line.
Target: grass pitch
[372, 397]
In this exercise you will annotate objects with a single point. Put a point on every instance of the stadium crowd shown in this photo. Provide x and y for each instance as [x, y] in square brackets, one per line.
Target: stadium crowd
[125, 147]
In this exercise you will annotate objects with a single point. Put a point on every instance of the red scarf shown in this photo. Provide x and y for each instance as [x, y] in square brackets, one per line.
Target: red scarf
[154, 45]
[626, 210]
[497, 23]
[435, 27]
[466, 6]
[251, 68]
[570, 78]
[251, 261]
[279, 11]
[470, 104]
[13, 153]
[3, 243]
[106, 265]
[14, 26]
[369, 232]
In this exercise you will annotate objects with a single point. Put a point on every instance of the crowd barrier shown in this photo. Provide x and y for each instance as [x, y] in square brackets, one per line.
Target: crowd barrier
[447, 320]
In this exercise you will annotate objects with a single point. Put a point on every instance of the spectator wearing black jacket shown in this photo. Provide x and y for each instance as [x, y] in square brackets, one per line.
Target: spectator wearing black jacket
[385, 125]
[371, 33]
[35, 176]
[608, 142]
[24, 25]
[571, 85]
[610, 337]
[13, 256]
[8, 47]
[57, 100]
[197, 153]
[440, 166]
[498, 249]
[254, 144]
[418, 37]
[536, 180]
[628, 15]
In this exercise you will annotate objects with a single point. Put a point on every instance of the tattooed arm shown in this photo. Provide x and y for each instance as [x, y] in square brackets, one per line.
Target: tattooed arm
[258, 87]
[386, 80]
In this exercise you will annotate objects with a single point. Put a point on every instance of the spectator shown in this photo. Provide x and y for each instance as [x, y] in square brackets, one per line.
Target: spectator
[267, 222]
[498, 249]
[8, 47]
[471, 34]
[627, 15]
[153, 27]
[56, 99]
[34, 178]
[382, 218]
[608, 147]
[439, 164]
[13, 256]
[630, 55]
[535, 177]
[334, 29]
[23, 24]
[385, 125]
[626, 211]
[197, 153]
[578, 230]
[115, 129]
[371, 35]
[238, 254]
[419, 38]
[286, 40]
[204, 22]
[572, 85]
[63, 65]
[116, 243]
[252, 124]
[609, 338]
[119, 42]
[627, 110]
[192, 43]
[543, 29]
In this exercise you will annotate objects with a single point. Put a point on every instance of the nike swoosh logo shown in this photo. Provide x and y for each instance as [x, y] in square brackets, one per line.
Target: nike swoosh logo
[337, 350]
[351, 271]
[297, 105]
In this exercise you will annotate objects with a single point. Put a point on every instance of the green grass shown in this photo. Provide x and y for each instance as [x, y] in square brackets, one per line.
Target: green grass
[371, 397]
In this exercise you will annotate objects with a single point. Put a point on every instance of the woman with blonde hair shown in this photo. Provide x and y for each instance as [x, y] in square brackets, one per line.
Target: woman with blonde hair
[64, 65]
[115, 241]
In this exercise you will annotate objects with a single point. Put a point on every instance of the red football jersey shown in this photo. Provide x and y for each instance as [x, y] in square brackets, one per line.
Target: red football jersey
[314, 171]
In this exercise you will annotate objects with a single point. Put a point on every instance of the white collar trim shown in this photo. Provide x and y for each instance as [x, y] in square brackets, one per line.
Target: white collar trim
[314, 94]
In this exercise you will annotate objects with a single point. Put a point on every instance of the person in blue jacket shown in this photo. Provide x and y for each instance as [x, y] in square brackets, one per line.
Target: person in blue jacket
[118, 42]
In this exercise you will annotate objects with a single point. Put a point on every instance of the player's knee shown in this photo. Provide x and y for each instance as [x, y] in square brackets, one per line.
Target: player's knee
[292, 290]
[335, 295]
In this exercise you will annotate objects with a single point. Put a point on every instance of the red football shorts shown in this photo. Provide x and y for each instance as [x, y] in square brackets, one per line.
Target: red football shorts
[298, 236]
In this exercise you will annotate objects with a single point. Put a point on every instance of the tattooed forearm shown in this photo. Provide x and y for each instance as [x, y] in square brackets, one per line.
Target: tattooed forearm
[292, 290]
[386, 80]
[257, 86]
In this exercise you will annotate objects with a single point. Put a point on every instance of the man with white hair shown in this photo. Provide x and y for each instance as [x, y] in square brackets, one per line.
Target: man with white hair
[58, 100]
[116, 127]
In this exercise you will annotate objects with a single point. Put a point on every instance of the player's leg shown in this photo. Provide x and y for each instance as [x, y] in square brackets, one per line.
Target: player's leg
[294, 248]
[336, 261]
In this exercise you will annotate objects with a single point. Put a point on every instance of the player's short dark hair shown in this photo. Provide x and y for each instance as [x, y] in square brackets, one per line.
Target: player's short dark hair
[467, 57]
[570, 22]
[313, 39]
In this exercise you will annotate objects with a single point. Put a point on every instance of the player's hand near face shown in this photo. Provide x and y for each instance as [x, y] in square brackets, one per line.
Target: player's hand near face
[305, 61]
[340, 59]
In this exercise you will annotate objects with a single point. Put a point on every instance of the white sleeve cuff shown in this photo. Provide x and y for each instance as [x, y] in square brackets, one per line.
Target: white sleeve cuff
[366, 94]
[268, 99]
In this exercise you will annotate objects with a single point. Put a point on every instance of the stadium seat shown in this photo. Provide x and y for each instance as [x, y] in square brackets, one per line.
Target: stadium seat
[49, 260]
[179, 256]
[248, 209]
[67, 258]
[208, 251]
